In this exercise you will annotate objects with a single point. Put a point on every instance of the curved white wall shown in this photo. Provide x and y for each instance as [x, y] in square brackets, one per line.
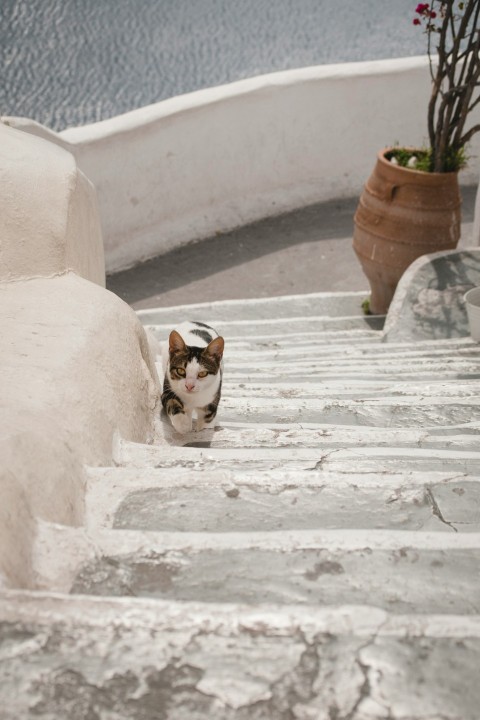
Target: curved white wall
[75, 362]
[203, 163]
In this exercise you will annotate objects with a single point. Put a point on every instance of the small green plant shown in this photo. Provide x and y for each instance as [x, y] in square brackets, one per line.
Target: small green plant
[366, 306]
[424, 161]
[410, 158]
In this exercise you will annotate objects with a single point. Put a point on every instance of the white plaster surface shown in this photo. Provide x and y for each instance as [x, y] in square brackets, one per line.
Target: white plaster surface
[75, 364]
[65, 391]
[48, 212]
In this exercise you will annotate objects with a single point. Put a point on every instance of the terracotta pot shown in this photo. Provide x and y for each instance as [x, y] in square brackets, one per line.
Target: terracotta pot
[402, 214]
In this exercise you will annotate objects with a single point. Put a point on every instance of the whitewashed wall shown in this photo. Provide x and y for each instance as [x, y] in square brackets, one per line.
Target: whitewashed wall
[203, 163]
[75, 364]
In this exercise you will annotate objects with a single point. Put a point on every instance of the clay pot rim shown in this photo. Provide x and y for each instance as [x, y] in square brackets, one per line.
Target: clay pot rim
[436, 176]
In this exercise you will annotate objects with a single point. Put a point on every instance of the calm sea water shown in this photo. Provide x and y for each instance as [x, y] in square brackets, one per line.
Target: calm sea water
[72, 62]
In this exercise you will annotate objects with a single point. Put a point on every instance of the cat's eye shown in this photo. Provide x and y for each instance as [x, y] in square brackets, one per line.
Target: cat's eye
[180, 371]
[202, 374]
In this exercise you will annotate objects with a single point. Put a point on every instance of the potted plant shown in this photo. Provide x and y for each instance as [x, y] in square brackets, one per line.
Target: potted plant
[411, 204]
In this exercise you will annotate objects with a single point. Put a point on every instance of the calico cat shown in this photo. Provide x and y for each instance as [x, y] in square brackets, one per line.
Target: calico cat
[192, 362]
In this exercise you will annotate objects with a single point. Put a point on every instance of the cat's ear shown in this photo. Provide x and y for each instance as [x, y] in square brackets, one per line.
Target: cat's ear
[175, 342]
[215, 348]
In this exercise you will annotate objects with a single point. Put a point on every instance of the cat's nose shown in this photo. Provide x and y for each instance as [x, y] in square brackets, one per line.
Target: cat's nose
[189, 385]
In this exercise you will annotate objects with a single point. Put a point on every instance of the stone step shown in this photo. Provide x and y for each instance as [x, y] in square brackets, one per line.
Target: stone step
[299, 369]
[365, 362]
[174, 500]
[395, 411]
[349, 388]
[456, 370]
[344, 460]
[287, 306]
[340, 356]
[133, 658]
[279, 326]
[289, 336]
[351, 343]
[321, 437]
[331, 350]
[404, 571]
[346, 362]
[336, 339]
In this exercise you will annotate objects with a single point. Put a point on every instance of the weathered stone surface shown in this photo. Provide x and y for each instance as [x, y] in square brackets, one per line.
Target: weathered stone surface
[328, 305]
[243, 501]
[405, 571]
[103, 659]
[264, 329]
[428, 302]
[366, 459]
[406, 579]
[336, 499]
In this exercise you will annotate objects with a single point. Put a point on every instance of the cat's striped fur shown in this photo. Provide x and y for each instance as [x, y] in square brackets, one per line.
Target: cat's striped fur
[192, 363]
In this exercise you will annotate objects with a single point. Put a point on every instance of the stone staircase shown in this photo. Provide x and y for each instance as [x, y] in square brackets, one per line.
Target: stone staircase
[316, 556]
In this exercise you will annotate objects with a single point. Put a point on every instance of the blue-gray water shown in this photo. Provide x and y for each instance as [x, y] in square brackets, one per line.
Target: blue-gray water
[72, 62]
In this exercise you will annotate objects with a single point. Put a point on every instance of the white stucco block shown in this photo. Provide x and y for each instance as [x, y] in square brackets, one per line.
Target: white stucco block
[75, 368]
[49, 219]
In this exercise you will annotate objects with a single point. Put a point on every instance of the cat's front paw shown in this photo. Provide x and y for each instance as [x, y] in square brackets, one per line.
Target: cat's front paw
[182, 422]
[204, 425]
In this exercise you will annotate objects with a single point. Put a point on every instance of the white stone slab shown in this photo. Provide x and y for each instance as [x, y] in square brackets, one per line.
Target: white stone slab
[281, 326]
[222, 501]
[287, 306]
[404, 571]
[131, 655]
[253, 435]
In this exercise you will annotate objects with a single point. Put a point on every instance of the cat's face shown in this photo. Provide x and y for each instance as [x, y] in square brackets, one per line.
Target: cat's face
[193, 369]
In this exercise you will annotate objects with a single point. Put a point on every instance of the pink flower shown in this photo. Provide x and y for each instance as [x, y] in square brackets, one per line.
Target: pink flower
[417, 21]
[422, 8]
